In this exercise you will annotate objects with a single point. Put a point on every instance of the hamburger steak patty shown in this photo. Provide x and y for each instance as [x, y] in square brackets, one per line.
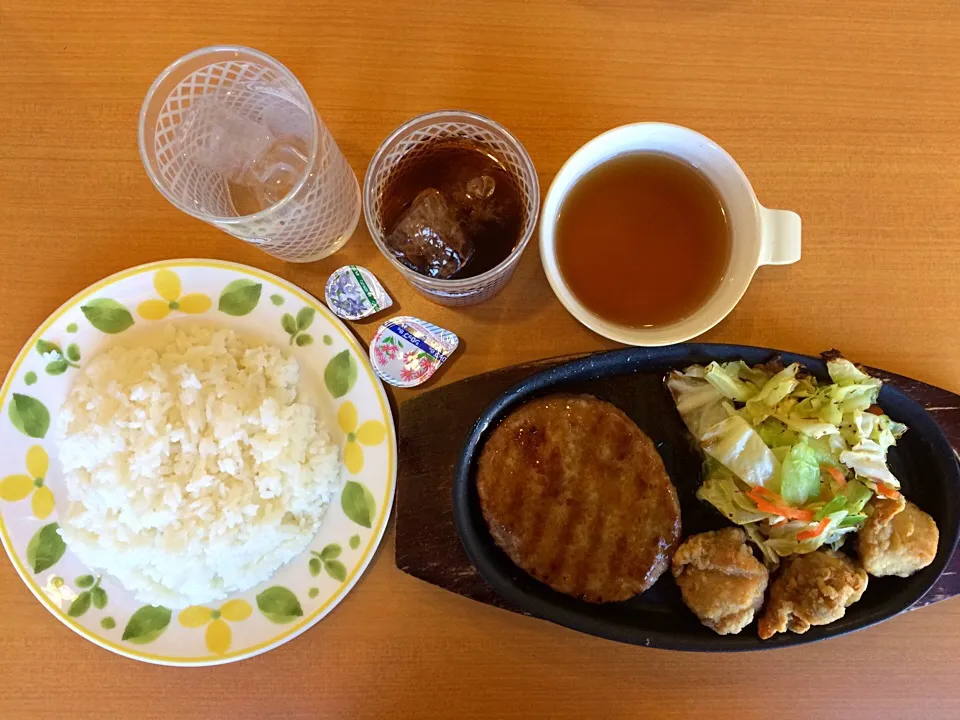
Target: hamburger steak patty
[577, 495]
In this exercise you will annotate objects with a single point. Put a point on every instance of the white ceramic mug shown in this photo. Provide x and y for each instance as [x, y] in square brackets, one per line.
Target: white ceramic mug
[758, 235]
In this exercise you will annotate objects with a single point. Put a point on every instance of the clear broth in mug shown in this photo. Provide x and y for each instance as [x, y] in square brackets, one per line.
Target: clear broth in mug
[642, 240]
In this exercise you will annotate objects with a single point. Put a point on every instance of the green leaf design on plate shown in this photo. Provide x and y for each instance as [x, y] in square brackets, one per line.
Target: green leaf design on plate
[99, 597]
[45, 548]
[108, 623]
[29, 416]
[56, 367]
[276, 300]
[240, 297]
[354, 542]
[327, 340]
[340, 374]
[147, 624]
[60, 362]
[45, 346]
[107, 315]
[84, 581]
[315, 566]
[294, 326]
[358, 503]
[30, 378]
[279, 605]
[305, 318]
[313, 592]
[80, 604]
[330, 552]
[336, 570]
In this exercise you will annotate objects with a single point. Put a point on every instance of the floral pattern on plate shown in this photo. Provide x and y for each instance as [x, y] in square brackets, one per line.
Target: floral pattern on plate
[340, 382]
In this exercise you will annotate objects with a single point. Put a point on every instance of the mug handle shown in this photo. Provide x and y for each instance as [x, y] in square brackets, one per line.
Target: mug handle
[779, 237]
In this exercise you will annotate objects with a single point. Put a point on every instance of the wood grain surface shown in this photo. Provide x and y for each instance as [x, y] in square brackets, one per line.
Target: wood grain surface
[845, 112]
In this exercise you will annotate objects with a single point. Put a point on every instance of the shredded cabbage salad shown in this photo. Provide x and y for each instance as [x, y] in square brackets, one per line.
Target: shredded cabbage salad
[792, 460]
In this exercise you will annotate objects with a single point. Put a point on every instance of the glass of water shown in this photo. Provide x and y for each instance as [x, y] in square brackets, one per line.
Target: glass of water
[229, 135]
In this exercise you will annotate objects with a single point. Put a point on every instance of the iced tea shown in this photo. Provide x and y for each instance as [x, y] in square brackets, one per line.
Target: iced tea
[452, 210]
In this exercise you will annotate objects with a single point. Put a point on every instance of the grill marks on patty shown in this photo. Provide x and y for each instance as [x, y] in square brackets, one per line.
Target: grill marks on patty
[576, 495]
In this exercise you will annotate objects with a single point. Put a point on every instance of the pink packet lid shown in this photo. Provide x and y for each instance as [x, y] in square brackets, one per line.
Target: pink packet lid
[407, 351]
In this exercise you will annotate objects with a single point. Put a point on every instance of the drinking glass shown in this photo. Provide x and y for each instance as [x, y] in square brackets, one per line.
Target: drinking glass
[229, 136]
[412, 139]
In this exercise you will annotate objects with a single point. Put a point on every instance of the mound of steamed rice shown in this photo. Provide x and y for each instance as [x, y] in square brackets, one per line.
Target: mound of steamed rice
[192, 468]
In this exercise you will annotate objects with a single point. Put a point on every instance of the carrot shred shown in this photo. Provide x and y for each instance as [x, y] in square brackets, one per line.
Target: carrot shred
[887, 491]
[875, 409]
[759, 491]
[767, 507]
[769, 502]
[835, 474]
[810, 534]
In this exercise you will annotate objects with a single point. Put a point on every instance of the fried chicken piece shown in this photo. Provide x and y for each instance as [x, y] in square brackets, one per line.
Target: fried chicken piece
[720, 579]
[811, 589]
[897, 543]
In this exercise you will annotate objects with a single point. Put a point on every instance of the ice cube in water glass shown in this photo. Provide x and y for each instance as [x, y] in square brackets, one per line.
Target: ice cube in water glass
[260, 154]
[219, 139]
[428, 238]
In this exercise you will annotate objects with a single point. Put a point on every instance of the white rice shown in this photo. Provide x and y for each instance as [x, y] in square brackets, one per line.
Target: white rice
[192, 468]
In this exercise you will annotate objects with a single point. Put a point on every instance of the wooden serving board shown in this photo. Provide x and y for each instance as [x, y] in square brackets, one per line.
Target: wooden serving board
[432, 430]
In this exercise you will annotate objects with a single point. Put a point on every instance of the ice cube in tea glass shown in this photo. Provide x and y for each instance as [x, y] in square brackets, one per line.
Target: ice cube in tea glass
[418, 136]
[428, 237]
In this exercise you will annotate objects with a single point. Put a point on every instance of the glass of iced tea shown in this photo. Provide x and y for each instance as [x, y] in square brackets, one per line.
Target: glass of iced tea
[451, 198]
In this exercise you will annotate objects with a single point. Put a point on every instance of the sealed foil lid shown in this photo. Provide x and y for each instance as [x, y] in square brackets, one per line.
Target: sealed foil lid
[353, 293]
[407, 351]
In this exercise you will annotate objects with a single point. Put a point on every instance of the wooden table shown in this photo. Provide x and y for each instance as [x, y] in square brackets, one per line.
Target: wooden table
[845, 112]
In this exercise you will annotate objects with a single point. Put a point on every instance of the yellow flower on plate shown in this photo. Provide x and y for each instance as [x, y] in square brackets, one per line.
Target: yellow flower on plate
[16, 487]
[167, 285]
[372, 432]
[218, 636]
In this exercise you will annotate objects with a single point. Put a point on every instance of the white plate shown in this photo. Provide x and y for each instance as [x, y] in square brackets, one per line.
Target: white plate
[347, 393]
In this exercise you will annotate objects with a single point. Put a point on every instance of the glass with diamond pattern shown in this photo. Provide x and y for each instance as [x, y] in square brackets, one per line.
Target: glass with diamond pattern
[229, 136]
[408, 145]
